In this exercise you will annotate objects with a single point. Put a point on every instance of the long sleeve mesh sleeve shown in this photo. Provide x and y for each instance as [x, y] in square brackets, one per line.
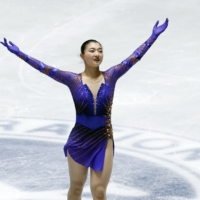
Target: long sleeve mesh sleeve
[58, 75]
[118, 70]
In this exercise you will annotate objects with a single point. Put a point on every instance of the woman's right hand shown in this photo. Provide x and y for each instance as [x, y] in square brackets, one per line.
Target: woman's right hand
[12, 47]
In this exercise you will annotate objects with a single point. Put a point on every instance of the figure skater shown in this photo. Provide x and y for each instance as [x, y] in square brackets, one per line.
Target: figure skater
[90, 143]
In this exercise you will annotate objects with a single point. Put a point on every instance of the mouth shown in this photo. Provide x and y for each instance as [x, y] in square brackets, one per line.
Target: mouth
[97, 59]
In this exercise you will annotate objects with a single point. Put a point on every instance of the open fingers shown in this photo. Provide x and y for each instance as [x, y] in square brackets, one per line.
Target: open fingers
[166, 22]
[5, 42]
[12, 43]
[156, 24]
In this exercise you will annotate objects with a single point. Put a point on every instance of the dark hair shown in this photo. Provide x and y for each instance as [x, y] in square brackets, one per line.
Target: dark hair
[83, 46]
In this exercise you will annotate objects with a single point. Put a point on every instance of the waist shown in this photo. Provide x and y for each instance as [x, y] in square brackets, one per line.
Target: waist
[93, 122]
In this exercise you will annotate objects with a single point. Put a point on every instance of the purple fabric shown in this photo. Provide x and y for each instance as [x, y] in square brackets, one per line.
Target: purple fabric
[92, 122]
[87, 146]
[88, 139]
[157, 30]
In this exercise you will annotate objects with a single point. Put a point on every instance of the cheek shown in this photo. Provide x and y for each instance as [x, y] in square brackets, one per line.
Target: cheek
[88, 59]
[89, 55]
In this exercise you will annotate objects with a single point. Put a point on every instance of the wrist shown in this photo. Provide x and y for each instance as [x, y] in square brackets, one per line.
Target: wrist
[17, 53]
[154, 36]
[23, 56]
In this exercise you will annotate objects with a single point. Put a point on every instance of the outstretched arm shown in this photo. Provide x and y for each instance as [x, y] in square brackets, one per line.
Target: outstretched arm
[56, 74]
[120, 69]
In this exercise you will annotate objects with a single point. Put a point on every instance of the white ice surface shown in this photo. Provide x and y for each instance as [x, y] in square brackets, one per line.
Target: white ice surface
[160, 93]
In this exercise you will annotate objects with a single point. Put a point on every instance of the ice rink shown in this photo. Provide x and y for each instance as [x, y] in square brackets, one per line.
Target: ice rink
[156, 110]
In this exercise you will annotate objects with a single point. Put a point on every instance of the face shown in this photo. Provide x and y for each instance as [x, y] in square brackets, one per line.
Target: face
[93, 54]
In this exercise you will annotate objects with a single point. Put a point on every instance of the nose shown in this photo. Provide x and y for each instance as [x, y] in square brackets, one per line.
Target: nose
[96, 53]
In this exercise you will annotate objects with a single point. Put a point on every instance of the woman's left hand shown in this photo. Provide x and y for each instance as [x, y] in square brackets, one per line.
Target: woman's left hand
[157, 30]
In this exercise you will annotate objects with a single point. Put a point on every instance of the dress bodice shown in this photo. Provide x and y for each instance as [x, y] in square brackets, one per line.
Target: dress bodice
[84, 101]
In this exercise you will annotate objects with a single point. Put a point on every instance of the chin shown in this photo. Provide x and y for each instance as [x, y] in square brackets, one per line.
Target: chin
[96, 64]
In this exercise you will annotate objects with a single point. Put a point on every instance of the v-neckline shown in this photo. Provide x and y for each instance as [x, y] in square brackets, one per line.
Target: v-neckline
[94, 99]
[85, 84]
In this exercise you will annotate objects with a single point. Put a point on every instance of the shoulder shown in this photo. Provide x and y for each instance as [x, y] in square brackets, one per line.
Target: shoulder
[72, 76]
[109, 71]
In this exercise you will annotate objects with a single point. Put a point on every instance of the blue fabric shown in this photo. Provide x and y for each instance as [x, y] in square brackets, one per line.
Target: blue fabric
[92, 122]
[93, 128]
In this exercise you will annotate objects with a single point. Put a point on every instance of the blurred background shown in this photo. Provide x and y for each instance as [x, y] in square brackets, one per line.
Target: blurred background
[159, 94]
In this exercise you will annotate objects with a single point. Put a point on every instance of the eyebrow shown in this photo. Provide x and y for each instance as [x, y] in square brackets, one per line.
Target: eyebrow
[94, 48]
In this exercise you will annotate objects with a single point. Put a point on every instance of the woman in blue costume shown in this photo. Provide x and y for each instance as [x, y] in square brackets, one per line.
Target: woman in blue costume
[90, 143]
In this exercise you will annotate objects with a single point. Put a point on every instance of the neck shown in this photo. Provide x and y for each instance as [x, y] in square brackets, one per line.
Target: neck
[92, 72]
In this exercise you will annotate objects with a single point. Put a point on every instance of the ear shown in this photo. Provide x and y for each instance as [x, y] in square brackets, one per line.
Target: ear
[82, 56]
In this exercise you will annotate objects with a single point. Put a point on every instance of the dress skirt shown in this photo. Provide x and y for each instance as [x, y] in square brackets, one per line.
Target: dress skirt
[87, 146]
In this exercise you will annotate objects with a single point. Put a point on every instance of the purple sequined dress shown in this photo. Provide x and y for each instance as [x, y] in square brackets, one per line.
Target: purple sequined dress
[88, 139]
